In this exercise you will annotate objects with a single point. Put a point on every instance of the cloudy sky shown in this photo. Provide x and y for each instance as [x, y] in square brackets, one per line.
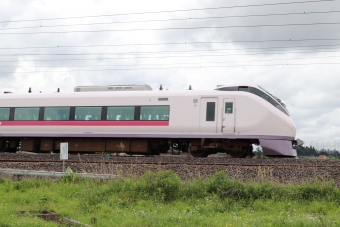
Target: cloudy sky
[291, 49]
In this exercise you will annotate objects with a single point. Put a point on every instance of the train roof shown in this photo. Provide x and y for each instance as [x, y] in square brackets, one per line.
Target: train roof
[99, 94]
[145, 93]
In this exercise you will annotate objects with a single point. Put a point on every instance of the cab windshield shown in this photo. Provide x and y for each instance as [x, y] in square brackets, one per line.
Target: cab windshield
[263, 94]
[269, 98]
[277, 99]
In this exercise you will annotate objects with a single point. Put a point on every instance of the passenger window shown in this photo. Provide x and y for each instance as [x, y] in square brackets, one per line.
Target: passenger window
[125, 113]
[26, 114]
[228, 109]
[57, 114]
[88, 114]
[4, 114]
[210, 116]
[154, 113]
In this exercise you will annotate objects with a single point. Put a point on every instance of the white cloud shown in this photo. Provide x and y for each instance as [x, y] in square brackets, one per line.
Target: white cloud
[309, 91]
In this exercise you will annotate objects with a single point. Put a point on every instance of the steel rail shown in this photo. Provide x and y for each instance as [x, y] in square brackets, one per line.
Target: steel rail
[170, 163]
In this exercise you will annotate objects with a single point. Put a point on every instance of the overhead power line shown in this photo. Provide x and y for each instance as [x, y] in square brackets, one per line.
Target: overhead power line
[172, 11]
[177, 56]
[177, 63]
[187, 67]
[175, 19]
[172, 43]
[325, 46]
[174, 28]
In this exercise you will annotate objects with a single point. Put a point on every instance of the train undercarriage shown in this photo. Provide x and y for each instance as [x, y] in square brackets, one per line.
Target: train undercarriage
[200, 147]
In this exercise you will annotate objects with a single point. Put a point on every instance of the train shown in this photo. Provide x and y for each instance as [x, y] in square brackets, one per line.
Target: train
[229, 119]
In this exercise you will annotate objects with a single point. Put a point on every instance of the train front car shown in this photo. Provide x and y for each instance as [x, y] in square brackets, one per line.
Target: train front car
[228, 119]
[262, 116]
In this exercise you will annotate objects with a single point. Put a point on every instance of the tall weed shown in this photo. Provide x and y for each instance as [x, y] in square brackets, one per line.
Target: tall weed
[196, 189]
[220, 184]
[163, 186]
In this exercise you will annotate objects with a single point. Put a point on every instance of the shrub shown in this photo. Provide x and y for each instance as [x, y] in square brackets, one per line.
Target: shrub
[162, 186]
[196, 189]
[265, 190]
[220, 184]
[317, 191]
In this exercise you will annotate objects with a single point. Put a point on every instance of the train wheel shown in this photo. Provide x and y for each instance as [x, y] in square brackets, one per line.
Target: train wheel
[239, 154]
[200, 153]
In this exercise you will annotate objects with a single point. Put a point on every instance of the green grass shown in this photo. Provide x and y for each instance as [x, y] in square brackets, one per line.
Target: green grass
[162, 199]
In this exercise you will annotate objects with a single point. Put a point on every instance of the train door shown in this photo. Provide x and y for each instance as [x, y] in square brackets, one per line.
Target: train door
[228, 116]
[208, 115]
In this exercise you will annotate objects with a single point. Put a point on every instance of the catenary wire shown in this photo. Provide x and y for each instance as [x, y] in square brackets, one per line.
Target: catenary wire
[173, 28]
[190, 67]
[182, 43]
[176, 19]
[310, 47]
[158, 57]
[171, 11]
[177, 63]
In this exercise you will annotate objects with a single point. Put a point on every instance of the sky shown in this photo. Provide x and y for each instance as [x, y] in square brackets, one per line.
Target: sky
[290, 49]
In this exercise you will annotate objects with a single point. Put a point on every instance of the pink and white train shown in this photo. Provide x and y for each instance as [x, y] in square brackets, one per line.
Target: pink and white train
[228, 119]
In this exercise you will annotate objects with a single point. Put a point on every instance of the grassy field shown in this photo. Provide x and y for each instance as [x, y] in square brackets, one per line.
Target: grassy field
[162, 199]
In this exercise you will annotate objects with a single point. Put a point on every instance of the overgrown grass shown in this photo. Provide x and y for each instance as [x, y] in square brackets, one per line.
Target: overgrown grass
[162, 199]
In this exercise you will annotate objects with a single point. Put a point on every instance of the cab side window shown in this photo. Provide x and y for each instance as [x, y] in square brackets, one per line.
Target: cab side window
[228, 108]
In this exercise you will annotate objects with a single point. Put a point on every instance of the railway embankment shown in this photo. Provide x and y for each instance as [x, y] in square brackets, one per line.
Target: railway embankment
[257, 170]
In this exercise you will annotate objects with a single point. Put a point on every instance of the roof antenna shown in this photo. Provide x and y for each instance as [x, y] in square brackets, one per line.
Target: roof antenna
[190, 87]
[58, 90]
[30, 90]
[161, 88]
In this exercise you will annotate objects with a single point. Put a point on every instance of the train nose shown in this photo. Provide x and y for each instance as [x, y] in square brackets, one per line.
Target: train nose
[277, 147]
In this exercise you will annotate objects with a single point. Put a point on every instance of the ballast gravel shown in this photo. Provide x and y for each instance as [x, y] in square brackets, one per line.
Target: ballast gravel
[303, 170]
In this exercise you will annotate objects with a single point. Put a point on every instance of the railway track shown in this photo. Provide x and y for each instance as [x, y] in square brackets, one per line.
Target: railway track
[187, 168]
[168, 163]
